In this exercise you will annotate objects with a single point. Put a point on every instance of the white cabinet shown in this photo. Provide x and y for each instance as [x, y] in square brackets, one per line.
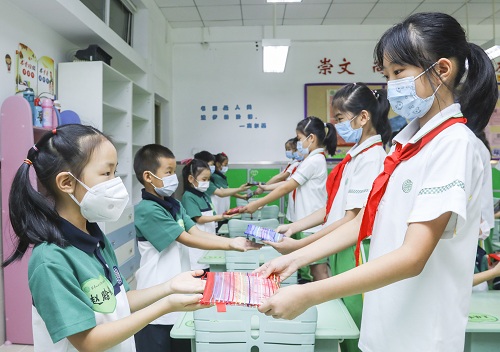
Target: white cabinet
[120, 108]
[114, 104]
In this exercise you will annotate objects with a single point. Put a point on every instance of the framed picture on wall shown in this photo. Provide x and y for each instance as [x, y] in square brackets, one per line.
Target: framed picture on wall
[318, 102]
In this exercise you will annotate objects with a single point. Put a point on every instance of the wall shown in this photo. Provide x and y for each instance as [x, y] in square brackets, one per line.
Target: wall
[223, 66]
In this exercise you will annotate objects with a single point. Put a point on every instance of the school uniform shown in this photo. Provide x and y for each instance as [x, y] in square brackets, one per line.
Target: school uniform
[198, 204]
[358, 175]
[75, 288]
[427, 312]
[221, 204]
[487, 212]
[310, 195]
[158, 223]
[290, 211]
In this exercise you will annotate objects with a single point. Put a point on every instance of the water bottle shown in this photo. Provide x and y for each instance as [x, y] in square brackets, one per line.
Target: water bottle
[47, 113]
[29, 95]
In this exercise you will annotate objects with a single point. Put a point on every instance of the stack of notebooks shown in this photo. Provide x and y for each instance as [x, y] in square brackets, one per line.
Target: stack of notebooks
[263, 234]
[238, 288]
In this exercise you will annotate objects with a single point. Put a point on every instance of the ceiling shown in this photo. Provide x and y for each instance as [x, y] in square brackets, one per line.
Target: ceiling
[220, 13]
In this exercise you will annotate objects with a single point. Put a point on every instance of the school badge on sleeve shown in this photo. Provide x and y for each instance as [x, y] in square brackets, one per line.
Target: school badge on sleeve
[100, 292]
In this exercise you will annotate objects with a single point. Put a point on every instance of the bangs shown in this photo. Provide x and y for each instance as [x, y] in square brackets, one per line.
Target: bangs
[399, 45]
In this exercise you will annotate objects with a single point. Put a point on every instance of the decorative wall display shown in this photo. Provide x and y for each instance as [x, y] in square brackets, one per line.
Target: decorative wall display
[36, 74]
[243, 114]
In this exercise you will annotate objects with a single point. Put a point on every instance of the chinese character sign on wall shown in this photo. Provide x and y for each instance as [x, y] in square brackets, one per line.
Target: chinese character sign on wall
[243, 114]
[326, 67]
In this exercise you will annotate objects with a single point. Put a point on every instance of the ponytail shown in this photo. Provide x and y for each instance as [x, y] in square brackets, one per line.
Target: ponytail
[330, 141]
[33, 218]
[478, 94]
[33, 215]
[380, 119]
[314, 125]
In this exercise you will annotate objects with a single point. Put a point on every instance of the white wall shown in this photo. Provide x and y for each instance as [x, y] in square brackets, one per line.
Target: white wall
[17, 27]
[226, 69]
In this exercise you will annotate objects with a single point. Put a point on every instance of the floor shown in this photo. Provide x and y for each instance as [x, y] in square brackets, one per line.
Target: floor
[16, 348]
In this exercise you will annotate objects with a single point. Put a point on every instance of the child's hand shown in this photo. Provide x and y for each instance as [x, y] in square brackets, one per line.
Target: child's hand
[251, 208]
[258, 191]
[242, 244]
[287, 303]
[285, 230]
[284, 266]
[184, 303]
[495, 268]
[186, 283]
[285, 246]
[244, 187]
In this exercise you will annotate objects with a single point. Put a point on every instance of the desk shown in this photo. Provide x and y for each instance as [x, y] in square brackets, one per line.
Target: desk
[483, 328]
[216, 258]
[334, 325]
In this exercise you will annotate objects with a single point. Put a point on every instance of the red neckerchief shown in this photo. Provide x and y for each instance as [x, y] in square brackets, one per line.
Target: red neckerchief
[390, 163]
[333, 181]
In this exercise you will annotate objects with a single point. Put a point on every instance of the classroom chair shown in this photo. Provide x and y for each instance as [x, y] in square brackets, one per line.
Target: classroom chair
[242, 261]
[267, 212]
[237, 227]
[241, 202]
[246, 329]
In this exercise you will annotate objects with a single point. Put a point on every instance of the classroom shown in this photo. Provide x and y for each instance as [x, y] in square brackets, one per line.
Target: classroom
[240, 203]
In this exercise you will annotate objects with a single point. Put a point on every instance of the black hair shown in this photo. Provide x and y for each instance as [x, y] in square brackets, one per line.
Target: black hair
[195, 167]
[32, 214]
[293, 142]
[314, 125]
[220, 158]
[205, 156]
[148, 159]
[355, 97]
[423, 38]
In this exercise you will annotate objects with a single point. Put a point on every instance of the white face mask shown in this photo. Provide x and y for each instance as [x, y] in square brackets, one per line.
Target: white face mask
[103, 202]
[202, 186]
[212, 168]
[170, 184]
[224, 169]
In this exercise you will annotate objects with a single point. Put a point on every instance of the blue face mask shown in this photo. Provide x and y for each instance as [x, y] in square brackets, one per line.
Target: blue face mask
[297, 156]
[402, 96]
[345, 130]
[303, 151]
[289, 154]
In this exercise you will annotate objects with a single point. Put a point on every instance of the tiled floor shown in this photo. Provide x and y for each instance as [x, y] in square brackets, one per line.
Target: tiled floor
[16, 348]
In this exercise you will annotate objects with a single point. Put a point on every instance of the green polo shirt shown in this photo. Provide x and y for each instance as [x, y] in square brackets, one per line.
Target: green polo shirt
[219, 180]
[196, 203]
[211, 189]
[69, 285]
[155, 223]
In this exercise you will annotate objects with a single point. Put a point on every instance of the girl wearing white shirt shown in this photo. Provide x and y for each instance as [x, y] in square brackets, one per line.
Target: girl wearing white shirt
[307, 184]
[361, 116]
[424, 209]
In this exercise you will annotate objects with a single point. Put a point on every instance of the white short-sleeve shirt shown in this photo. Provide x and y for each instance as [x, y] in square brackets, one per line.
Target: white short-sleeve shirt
[427, 312]
[487, 213]
[311, 193]
[357, 178]
[290, 209]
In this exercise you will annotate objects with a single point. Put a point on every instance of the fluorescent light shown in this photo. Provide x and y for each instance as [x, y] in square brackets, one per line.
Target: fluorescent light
[275, 53]
[493, 52]
[275, 1]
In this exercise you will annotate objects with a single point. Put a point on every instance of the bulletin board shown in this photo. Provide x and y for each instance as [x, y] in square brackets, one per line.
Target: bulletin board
[318, 101]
